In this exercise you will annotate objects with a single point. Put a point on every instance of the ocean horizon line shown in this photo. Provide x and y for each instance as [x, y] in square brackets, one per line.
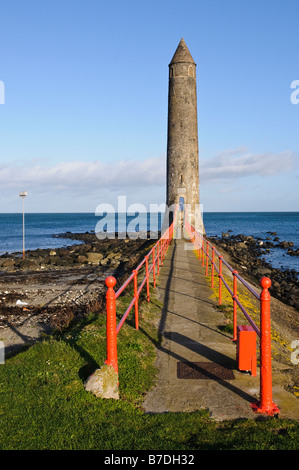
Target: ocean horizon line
[154, 212]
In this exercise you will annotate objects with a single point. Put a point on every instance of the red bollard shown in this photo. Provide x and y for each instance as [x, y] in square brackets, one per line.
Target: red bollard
[265, 405]
[111, 335]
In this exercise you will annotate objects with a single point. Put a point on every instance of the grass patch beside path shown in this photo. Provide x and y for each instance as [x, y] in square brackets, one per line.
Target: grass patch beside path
[44, 404]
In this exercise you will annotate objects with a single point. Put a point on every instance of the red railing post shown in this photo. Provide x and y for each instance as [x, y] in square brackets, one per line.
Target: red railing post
[199, 248]
[111, 335]
[265, 405]
[136, 299]
[235, 296]
[207, 258]
[220, 275]
[158, 256]
[147, 279]
[213, 267]
[154, 267]
[203, 252]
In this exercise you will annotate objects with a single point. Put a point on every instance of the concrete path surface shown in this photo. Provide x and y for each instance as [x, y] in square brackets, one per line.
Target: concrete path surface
[189, 327]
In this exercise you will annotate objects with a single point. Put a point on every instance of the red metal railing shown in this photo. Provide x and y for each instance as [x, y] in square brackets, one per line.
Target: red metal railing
[207, 253]
[150, 264]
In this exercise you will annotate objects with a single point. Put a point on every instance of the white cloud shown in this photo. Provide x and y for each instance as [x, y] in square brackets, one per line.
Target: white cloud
[86, 175]
[238, 163]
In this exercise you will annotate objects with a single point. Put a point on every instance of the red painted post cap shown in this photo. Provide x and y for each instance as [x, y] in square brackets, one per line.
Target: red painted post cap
[110, 281]
[265, 282]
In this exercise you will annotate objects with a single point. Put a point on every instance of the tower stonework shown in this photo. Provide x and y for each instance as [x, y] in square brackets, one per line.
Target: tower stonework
[182, 137]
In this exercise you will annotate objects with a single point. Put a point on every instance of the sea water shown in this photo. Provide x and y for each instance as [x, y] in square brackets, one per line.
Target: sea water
[40, 228]
[259, 224]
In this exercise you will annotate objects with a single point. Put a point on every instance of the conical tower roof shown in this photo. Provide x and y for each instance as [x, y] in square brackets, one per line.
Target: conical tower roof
[182, 54]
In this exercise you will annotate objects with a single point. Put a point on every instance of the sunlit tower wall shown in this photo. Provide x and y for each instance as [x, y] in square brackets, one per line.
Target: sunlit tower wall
[182, 135]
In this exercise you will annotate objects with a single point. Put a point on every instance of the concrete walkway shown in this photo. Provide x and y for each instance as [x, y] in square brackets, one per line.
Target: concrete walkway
[190, 332]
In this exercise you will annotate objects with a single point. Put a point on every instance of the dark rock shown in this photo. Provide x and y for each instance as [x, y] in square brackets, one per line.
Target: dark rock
[8, 263]
[27, 264]
[285, 244]
[247, 251]
[56, 261]
[241, 246]
[293, 252]
[94, 257]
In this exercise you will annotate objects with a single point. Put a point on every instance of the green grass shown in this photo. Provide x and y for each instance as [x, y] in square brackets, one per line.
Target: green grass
[44, 404]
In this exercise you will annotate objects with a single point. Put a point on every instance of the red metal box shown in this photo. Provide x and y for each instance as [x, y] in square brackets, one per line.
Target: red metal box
[246, 348]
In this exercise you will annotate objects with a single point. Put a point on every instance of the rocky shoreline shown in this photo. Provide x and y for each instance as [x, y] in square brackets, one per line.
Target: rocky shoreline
[90, 251]
[49, 289]
[248, 251]
[119, 256]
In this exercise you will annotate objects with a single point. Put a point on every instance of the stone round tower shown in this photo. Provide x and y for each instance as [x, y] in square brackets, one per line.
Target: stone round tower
[182, 139]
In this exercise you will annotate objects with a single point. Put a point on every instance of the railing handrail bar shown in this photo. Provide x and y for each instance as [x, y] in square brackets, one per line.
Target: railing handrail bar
[197, 235]
[135, 272]
[227, 265]
[215, 266]
[140, 264]
[248, 317]
[141, 285]
[124, 285]
[131, 277]
[241, 279]
[123, 319]
[227, 286]
[253, 292]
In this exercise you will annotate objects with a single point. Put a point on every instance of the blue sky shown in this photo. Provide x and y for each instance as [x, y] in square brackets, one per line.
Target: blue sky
[86, 88]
